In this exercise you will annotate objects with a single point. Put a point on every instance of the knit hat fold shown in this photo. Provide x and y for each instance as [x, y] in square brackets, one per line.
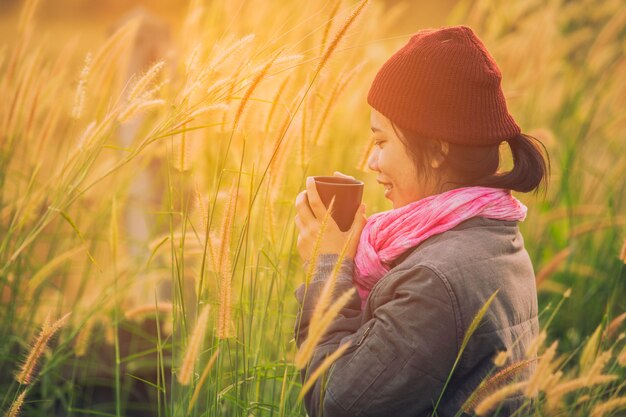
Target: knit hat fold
[444, 84]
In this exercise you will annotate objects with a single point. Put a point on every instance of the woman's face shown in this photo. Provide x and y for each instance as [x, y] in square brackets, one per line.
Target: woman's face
[396, 169]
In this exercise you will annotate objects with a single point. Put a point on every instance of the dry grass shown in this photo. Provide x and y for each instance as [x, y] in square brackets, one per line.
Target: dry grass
[225, 128]
[28, 370]
[193, 347]
[16, 407]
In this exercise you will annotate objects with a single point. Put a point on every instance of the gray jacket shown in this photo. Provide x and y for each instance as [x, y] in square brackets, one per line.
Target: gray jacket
[405, 341]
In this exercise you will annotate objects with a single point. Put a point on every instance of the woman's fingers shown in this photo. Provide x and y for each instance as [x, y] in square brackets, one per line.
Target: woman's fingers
[360, 219]
[300, 225]
[310, 213]
[303, 208]
[318, 207]
[339, 174]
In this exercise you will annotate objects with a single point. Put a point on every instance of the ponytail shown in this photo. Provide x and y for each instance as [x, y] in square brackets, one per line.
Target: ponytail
[530, 168]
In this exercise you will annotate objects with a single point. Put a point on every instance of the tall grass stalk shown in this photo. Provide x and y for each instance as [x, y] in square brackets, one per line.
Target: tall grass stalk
[249, 94]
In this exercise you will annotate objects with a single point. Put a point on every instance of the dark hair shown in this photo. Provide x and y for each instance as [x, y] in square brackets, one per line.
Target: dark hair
[477, 165]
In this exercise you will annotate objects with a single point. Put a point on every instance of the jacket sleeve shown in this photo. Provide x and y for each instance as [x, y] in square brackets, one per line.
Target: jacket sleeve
[349, 318]
[398, 360]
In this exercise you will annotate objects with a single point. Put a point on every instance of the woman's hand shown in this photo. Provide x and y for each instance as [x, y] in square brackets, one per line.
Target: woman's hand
[309, 222]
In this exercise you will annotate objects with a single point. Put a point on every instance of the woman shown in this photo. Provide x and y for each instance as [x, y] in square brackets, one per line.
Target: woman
[426, 267]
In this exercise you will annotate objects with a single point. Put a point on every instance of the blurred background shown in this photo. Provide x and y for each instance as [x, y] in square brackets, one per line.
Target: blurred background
[151, 152]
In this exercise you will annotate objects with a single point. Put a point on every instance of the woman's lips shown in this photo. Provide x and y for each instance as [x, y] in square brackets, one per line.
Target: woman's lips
[388, 187]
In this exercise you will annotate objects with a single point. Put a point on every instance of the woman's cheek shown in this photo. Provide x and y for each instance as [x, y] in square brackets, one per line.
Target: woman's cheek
[381, 160]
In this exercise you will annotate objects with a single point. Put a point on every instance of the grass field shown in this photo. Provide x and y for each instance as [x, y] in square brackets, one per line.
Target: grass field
[148, 180]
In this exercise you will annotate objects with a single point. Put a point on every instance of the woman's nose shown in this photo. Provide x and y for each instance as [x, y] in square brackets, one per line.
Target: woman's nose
[372, 161]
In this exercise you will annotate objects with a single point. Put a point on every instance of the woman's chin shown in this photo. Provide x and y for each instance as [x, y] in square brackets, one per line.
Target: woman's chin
[389, 196]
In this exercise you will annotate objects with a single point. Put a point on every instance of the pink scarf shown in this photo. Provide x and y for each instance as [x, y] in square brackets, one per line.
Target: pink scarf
[388, 234]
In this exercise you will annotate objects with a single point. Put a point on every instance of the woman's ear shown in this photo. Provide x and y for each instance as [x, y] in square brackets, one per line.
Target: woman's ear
[440, 154]
[445, 147]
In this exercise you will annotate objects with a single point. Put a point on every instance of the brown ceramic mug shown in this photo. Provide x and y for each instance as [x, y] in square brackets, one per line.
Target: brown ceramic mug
[348, 194]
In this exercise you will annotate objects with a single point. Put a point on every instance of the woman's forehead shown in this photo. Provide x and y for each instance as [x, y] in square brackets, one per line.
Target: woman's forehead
[378, 121]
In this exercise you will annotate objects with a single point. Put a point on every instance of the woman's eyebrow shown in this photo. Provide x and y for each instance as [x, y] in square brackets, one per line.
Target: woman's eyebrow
[375, 129]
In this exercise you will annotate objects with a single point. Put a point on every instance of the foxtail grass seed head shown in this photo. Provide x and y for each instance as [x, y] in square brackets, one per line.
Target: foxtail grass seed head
[16, 407]
[223, 257]
[202, 380]
[253, 85]
[140, 86]
[213, 252]
[201, 208]
[151, 93]
[322, 367]
[552, 380]
[339, 35]
[87, 137]
[599, 364]
[541, 377]
[583, 399]
[590, 350]
[193, 348]
[288, 58]
[500, 358]
[310, 270]
[180, 152]
[614, 326]
[318, 328]
[222, 56]
[27, 371]
[218, 88]
[535, 344]
[556, 392]
[224, 320]
[621, 357]
[137, 107]
[328, 25]
[79, 98]
[500, 379]
[492, 401]
[204, 110]
[602, 409]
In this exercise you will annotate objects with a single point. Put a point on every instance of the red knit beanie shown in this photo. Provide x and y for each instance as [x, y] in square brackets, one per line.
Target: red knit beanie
[444, 84]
